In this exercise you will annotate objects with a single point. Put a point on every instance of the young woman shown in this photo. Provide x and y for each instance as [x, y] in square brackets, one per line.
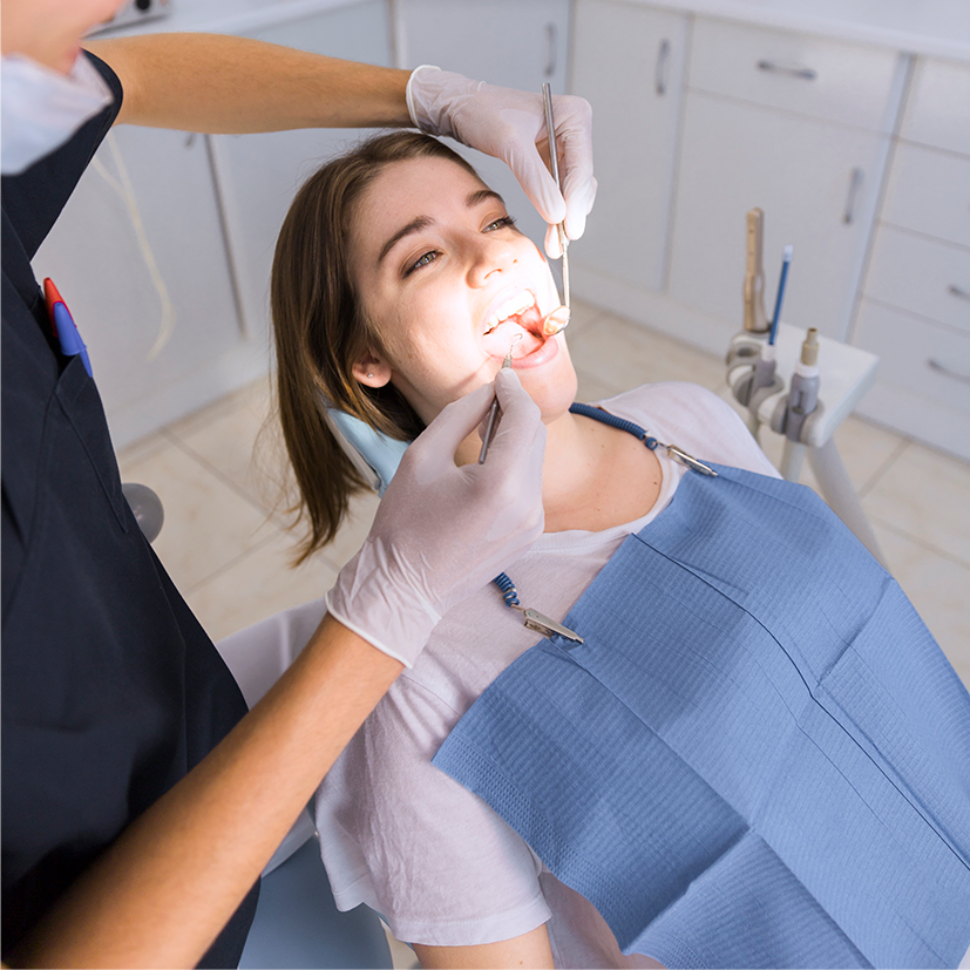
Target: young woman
[400, 285]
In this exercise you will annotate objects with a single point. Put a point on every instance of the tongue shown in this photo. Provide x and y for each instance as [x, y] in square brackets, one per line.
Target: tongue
[498, 341]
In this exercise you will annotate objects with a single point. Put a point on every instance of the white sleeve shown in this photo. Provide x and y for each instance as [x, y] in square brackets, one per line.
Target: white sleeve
[401, 836]
[695, 419]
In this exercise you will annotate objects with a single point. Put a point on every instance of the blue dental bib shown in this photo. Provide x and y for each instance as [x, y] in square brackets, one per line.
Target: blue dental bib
[758, 758]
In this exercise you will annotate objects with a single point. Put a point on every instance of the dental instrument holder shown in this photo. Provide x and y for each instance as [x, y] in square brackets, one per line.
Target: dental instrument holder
[847, 374]
[753, 377]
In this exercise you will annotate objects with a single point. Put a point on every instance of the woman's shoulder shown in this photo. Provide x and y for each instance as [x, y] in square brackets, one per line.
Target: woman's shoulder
[694, 418]
[670, 402]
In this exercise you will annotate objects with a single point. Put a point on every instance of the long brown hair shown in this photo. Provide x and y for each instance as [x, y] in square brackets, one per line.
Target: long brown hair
[320, 331]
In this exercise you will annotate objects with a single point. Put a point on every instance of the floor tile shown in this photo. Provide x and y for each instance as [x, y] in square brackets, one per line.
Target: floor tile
[239, 444]
[257, 584]
[207, 523]
[938, 587]
[866, 451]
[363, 508]
[581, 314]
[139, 450]
[623, 355]
[924, 493]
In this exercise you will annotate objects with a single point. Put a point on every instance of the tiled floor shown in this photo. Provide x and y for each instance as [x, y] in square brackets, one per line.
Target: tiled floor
[226, 546]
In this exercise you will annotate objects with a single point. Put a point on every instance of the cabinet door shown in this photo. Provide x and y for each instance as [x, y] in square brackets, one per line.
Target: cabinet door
[259, 174]
[95, 255]
[818, 185]
[505, 42]
[628, 62]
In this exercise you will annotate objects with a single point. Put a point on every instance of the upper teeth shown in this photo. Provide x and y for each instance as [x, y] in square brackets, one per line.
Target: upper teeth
[509, 308]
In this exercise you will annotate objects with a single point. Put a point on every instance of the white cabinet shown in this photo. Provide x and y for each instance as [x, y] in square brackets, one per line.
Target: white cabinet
[818, 185]
[628, 62]
[258, 175]
[96, 258]
[506, 42]
[915, 312]
[938, 106]
[799, 127]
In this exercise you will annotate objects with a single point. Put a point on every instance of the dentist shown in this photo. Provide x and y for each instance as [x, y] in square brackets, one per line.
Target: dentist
[140, 800]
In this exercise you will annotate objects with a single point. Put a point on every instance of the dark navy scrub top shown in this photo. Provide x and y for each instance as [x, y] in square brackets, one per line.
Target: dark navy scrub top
[112, 691]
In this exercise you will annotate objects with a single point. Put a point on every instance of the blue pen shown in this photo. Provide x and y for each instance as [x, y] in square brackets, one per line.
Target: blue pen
[65, 328]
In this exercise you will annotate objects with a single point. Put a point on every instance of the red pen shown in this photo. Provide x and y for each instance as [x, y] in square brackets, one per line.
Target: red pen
[65, 329]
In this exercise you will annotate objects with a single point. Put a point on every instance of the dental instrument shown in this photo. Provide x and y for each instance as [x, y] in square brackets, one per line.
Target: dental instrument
[802, 401]
[764, 368]
[755, 319]
[493, 410]
[559, 318]
[786, 255]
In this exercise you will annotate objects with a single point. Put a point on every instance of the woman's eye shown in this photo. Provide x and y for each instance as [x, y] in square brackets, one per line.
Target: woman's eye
[428, 257]
[504, 222]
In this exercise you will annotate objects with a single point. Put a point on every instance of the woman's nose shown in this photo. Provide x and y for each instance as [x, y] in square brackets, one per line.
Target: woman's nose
[489, 253]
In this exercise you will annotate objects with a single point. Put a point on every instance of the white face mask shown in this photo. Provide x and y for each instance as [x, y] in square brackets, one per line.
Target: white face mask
[41, 109]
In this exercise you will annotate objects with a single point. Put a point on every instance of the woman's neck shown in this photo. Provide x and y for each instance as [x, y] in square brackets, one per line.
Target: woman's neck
[595, 476]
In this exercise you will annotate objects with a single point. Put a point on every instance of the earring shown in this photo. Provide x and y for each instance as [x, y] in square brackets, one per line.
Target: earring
[370, 375]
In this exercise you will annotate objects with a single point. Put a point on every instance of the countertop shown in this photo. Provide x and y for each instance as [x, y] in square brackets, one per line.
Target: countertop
[937, 27]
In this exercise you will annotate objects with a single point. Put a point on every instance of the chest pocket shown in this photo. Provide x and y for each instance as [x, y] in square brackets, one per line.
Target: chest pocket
[80, 404]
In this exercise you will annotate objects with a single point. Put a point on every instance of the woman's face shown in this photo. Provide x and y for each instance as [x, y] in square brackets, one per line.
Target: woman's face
[449, 285]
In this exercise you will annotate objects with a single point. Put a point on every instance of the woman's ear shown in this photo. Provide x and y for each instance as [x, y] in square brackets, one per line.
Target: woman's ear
[372, 370]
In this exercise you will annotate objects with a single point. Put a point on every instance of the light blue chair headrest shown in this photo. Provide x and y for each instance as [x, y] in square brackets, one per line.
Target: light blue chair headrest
[374, 454]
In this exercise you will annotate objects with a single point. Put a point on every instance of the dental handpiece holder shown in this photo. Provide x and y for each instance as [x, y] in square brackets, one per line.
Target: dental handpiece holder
[827, 381]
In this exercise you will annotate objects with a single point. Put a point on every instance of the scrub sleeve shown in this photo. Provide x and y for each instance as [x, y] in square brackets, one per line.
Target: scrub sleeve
[111, 689]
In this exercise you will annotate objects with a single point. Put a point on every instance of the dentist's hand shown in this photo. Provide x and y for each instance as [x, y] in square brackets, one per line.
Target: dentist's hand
[508, 124]
[442, 531]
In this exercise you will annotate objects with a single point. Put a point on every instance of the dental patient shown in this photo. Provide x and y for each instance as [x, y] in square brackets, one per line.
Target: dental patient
[400, 284]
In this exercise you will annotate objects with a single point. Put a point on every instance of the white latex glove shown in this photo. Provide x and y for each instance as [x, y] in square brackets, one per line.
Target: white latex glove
[507, 124]
[441, 531]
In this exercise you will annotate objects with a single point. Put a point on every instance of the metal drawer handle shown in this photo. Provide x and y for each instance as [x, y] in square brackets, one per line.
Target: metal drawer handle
[855, 183]
[946, 372]
[552, 49]
[954, 290]
[804, 73]
[660, 74]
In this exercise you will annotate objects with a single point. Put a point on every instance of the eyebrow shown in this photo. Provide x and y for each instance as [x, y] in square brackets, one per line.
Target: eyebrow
[422, 222]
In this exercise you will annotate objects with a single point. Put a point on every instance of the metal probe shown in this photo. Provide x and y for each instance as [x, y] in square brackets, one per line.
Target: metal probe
[493, 410]
[559, 317]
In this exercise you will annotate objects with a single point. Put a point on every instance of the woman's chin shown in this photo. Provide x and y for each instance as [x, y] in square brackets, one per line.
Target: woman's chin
[553, 393]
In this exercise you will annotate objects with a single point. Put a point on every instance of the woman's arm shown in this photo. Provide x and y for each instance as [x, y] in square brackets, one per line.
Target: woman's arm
[529, 950]
[163, 892]
[217, 83]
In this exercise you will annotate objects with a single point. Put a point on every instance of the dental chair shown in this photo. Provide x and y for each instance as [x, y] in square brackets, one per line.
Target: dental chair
[297, 923]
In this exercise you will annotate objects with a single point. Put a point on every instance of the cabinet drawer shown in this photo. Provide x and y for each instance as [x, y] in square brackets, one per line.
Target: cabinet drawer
[916, 354]
[925, 277]
[929, 192]
[826, 79]
[938, 107]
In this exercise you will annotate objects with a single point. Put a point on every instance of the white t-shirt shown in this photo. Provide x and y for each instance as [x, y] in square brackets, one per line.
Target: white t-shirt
[401, 836]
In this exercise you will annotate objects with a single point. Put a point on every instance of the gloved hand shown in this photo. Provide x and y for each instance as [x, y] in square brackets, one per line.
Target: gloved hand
[441, 531]
[507, 124]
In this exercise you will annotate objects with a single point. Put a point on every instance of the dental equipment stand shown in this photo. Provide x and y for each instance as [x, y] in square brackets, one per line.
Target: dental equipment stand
[847, 373]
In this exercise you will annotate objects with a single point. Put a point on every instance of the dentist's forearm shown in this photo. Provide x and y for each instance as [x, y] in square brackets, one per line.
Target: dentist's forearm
[164, 890]
[217, 83]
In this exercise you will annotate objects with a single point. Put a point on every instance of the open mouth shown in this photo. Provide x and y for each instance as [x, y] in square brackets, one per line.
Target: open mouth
[516, 323]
